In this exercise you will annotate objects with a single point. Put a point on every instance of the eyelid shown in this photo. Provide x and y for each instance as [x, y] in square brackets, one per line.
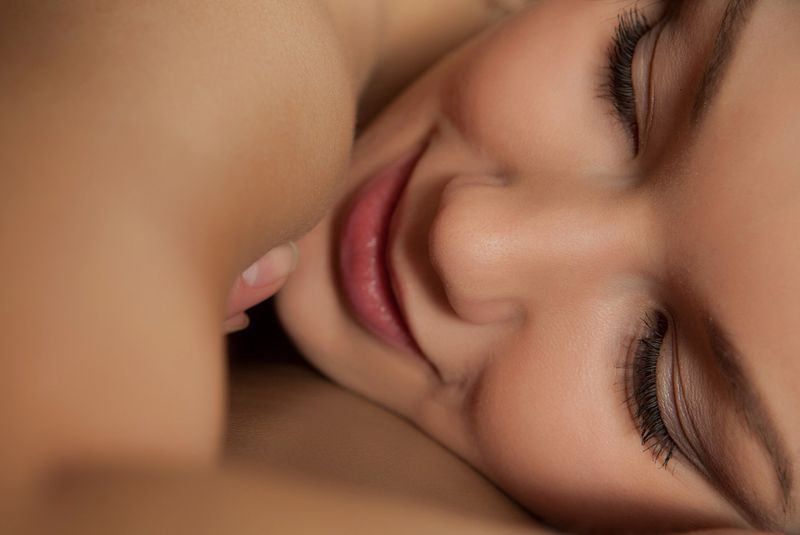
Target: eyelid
[628, 86]
[620, 87]
[644, 65]
[678, 418]
[645, 384]
[670, 394]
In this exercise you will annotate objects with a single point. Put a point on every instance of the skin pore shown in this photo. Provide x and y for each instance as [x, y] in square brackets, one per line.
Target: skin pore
[543, 243]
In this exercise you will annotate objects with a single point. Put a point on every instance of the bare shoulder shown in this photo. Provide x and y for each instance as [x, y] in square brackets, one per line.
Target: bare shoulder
[151, 150]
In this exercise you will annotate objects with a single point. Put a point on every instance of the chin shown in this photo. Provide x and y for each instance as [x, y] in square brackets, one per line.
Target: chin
[312, 312]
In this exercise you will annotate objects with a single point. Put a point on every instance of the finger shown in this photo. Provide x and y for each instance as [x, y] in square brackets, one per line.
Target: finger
[262, 280]
[244, 297]
[236, 323]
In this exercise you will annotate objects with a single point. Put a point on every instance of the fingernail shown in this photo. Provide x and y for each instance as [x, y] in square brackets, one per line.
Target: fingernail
[272, 267]
[236, 323]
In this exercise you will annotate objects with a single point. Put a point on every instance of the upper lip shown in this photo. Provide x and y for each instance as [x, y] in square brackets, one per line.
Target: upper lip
[388, 253]
[389, 258]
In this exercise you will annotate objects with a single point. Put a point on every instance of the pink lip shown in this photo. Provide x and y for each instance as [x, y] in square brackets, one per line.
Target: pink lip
[363, 266]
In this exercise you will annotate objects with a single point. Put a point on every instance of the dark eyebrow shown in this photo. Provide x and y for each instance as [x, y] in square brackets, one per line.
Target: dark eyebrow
[733, 22]
[751, 406]
[746, 399]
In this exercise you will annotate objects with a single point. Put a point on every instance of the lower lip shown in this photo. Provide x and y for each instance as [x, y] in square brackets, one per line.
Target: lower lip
[362, 261]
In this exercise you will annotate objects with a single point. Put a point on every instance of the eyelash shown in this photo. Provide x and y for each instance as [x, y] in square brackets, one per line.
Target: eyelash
[618, 88]
[643, 399]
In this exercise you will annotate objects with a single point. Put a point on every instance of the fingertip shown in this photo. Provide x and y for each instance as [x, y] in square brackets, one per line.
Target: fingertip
[236, 323]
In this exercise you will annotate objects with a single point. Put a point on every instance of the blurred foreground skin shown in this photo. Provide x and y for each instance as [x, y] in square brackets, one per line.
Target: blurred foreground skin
[151, 152]
[140, 141]
[235, 502]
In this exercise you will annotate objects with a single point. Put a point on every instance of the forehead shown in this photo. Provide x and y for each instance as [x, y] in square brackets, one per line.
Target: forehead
[737, 209]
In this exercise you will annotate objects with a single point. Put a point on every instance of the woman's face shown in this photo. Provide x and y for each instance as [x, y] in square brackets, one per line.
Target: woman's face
[596, 259]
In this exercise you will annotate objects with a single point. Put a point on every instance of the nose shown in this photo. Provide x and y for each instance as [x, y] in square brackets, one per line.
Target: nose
[500, 247]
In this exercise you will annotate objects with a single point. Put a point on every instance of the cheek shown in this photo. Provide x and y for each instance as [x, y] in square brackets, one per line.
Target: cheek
[529, 91]
[551, 420]
[535, 404]
[552, 429]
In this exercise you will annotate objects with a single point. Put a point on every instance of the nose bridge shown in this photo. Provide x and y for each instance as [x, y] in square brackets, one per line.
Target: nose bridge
[508, 243]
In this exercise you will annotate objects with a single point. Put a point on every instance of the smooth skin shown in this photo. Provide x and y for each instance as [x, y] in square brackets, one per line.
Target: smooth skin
[531, 242]
[135, 186]
[151, 152]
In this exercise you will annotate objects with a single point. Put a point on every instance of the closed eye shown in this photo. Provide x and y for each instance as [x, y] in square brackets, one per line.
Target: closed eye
[618, 88]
